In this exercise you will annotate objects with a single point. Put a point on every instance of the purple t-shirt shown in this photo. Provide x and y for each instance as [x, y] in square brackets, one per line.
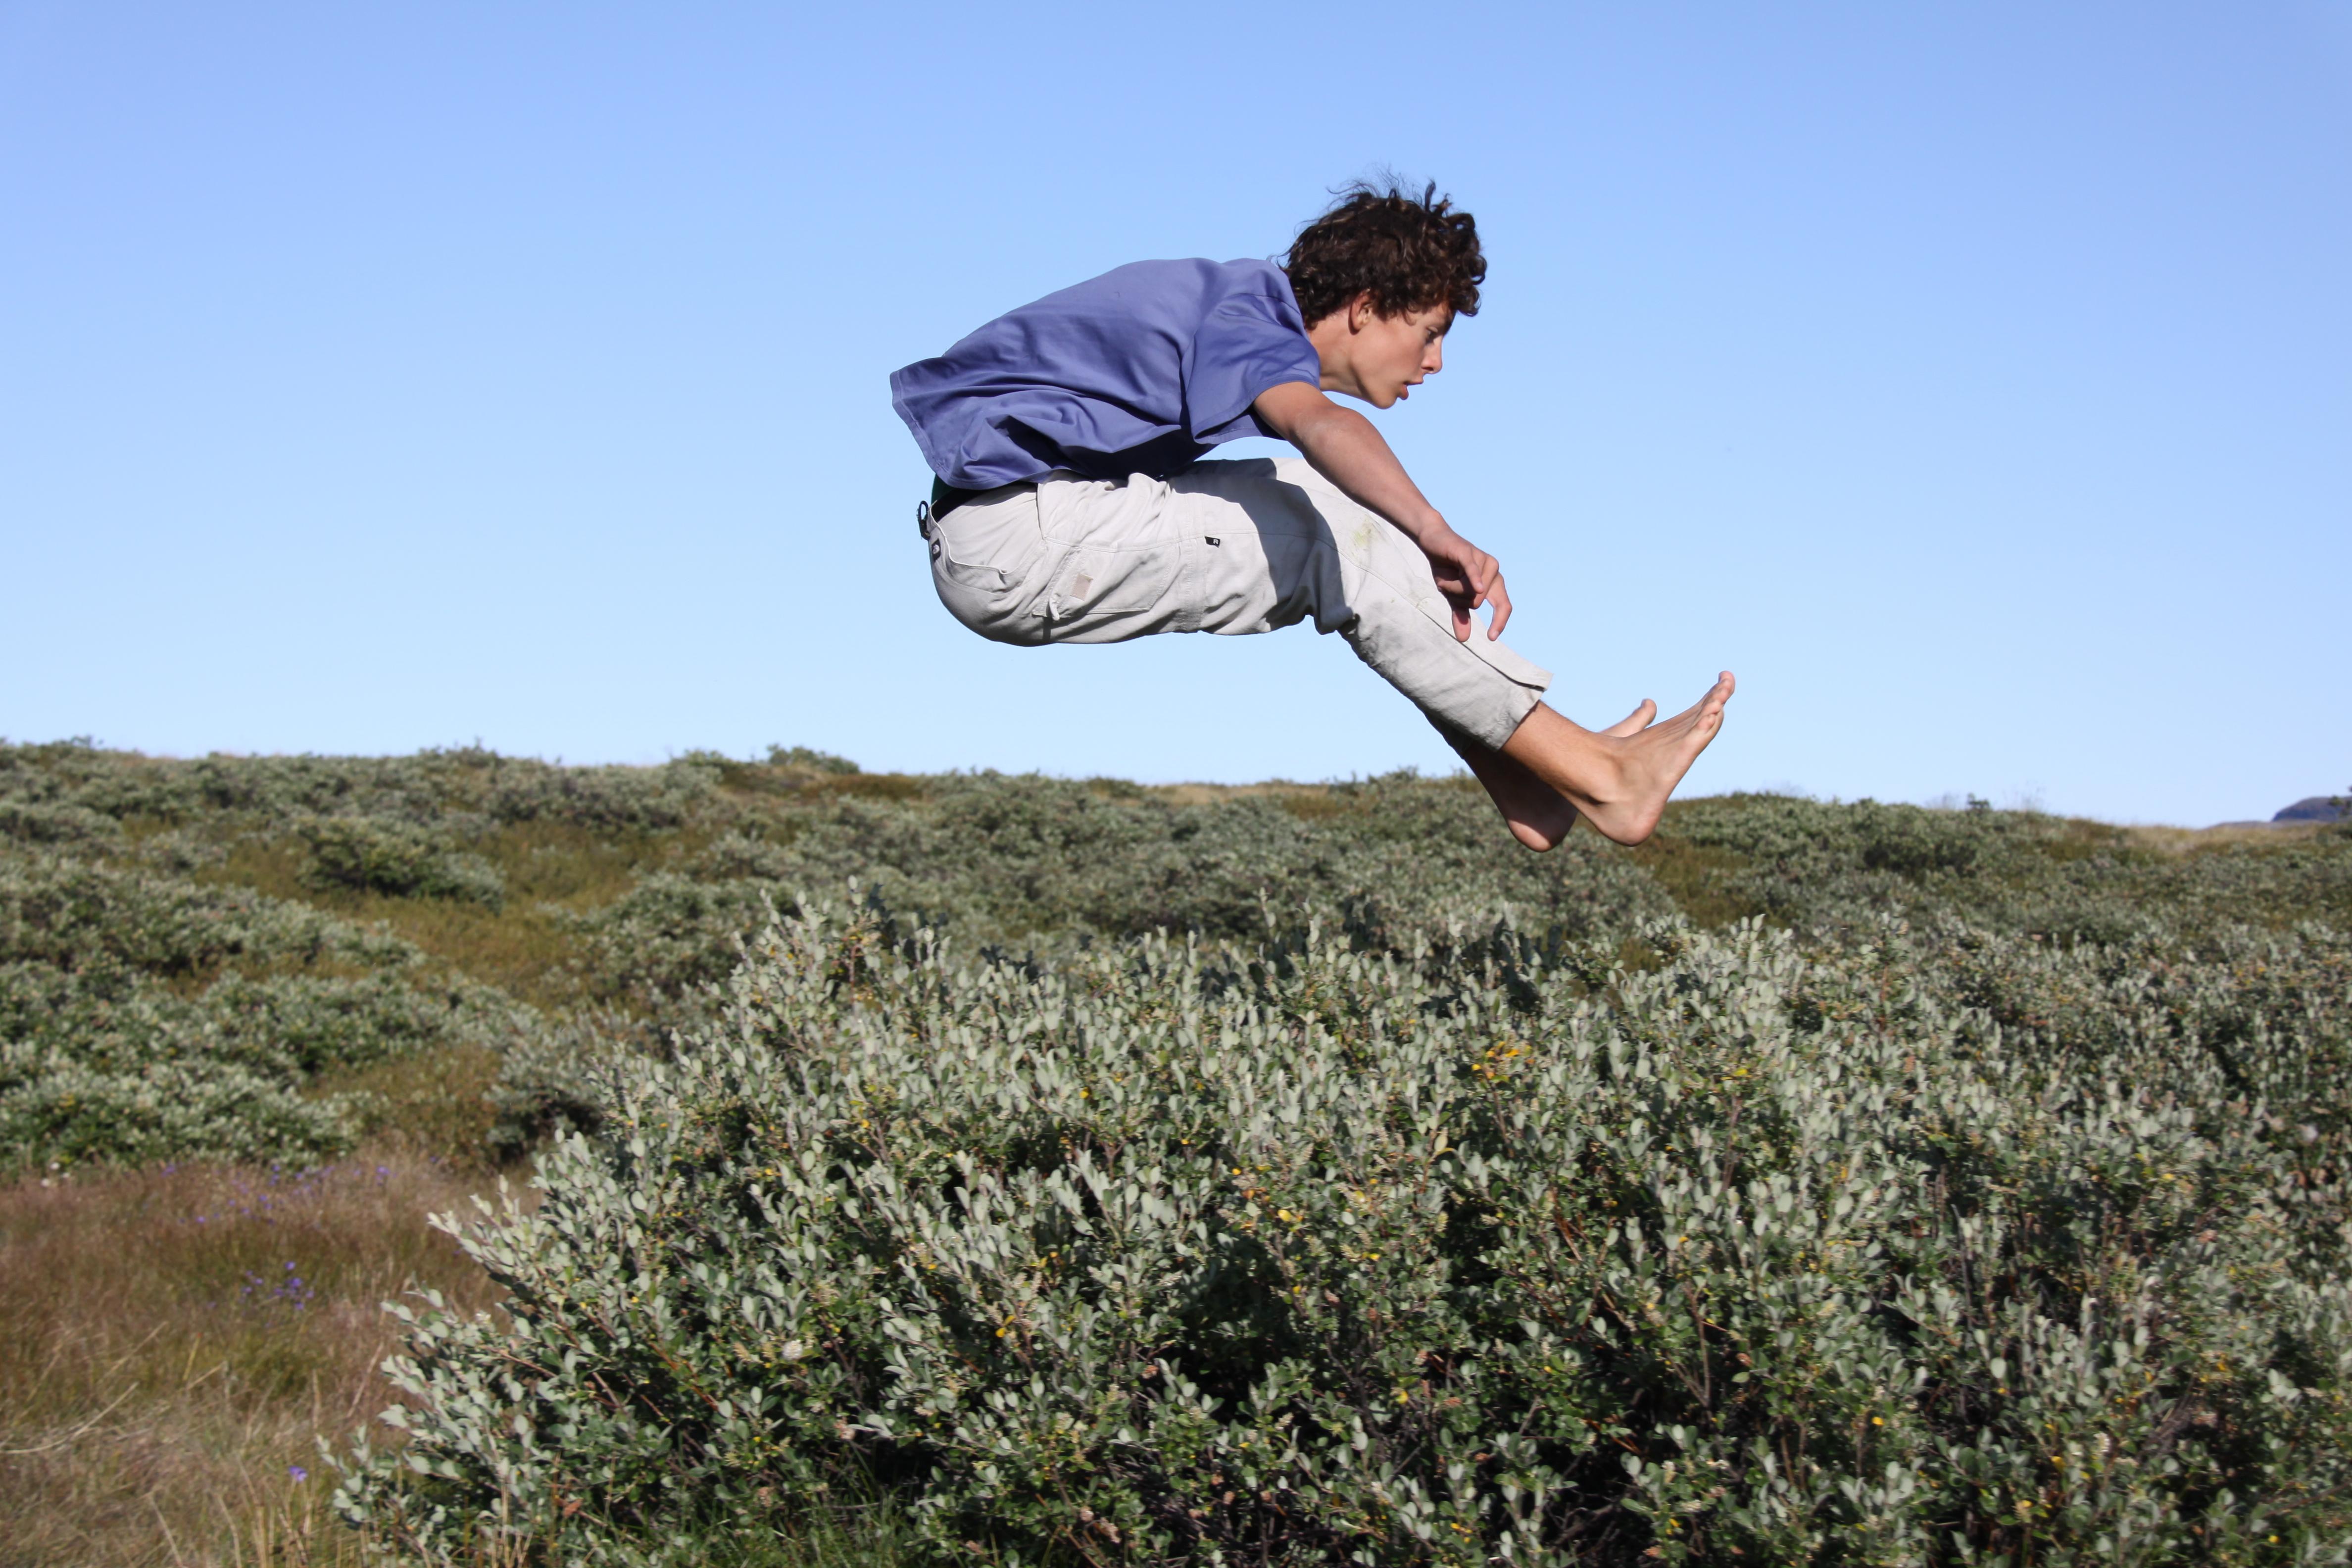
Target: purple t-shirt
[1138, 371]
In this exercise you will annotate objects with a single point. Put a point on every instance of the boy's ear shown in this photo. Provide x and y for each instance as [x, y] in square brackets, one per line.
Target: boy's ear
[1361, 312]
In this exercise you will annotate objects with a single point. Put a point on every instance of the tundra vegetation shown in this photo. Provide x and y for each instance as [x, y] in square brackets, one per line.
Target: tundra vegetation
[979, 1170]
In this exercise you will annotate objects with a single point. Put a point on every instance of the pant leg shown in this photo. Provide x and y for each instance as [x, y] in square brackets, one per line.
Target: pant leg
[1308, 552]
[1230, 547]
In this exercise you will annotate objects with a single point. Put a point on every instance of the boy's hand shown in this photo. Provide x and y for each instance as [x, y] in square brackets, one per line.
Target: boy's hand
[1468, 577]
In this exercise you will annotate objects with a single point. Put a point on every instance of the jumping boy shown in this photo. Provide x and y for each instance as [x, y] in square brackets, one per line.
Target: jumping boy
[1070, 503]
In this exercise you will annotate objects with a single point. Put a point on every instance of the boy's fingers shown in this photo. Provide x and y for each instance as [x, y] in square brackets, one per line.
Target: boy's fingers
[1469, 577]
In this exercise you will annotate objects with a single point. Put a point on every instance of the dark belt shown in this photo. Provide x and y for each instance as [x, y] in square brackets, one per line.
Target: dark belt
[945, 499]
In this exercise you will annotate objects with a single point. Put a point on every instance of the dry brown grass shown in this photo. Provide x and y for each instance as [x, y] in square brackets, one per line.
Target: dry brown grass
[1210, 793]
[173, 1342]
[2199, 840]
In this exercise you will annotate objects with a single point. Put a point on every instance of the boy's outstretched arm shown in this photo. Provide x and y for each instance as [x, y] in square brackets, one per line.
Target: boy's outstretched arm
[1347, 449]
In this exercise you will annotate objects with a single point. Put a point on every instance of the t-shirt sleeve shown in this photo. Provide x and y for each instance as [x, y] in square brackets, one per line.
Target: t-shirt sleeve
[1249, 343]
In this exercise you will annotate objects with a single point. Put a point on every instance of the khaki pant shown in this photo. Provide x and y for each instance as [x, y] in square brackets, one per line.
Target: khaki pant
[1230, 547]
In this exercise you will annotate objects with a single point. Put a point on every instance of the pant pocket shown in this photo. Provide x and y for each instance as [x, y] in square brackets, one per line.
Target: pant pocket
[969, 577]
[984, 555]
[1114, 549]
[1116, 582]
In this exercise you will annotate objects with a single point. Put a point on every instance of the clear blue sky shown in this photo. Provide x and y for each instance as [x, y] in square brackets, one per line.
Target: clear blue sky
[1974, 380]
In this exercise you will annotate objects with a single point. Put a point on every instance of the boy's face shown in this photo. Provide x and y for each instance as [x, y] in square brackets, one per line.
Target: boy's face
[1380, 358]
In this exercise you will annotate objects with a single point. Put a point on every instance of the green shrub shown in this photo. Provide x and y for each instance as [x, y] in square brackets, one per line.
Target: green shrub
[654, 950]
[626, 799]
[100, 1063]
[551, 1076]
[257, 789]
[1812, 863]
[59, 910]
[366, 854]
[781, 756]
[1189, 1250]
[145, 1017]
[301, 1026]
[31, 822]
[59, 1111]
[1047, 863]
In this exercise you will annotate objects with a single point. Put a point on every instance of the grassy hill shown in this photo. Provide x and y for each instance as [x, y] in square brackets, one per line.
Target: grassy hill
[257, 1016]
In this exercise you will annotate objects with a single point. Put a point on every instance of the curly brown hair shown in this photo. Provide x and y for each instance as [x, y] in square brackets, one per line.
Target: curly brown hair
[1407, 252]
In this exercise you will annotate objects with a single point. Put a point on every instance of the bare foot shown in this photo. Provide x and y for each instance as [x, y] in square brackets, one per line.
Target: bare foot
[1538, 815]
[1617, 778]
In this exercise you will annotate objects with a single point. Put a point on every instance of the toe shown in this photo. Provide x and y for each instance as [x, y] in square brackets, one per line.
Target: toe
[1634, 723]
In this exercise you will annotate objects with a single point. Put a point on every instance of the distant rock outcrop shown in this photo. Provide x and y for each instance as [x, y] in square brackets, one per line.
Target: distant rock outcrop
[2313, 808]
